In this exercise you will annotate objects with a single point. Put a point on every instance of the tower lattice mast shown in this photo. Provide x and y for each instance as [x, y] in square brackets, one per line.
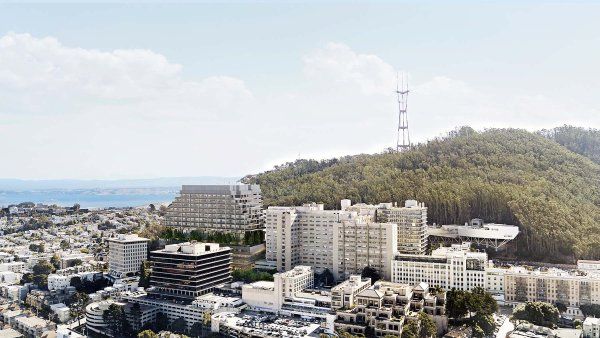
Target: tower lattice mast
[403, 141]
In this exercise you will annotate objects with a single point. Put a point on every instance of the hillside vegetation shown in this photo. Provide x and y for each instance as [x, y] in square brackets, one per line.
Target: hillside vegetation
[579, 140]
[501, 175]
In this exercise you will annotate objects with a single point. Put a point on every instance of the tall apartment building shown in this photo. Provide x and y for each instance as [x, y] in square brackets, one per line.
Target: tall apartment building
[338, 240]
[217, 208]
[553, 286]
[358, 243]
[411, 220]
[412, 225]
[189, 270]
[126, 254]
[446, 267]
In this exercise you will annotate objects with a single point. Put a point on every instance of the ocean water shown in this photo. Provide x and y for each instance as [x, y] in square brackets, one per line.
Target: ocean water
[92, 198]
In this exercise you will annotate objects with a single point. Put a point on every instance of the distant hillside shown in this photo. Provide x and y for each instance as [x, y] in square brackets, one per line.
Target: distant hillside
[579, 140]
[502, 175]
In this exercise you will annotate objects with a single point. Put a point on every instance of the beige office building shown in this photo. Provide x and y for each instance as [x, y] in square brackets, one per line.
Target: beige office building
[411, 220]
[446, 267]
[553, 286]
[126, 254]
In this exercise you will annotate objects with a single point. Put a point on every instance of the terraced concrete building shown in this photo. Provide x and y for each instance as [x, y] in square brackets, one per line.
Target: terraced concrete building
[220, 208]
[230, 214]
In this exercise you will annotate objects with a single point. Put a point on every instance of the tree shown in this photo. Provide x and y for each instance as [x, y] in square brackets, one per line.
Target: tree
[76, 207]
[77, 304]
[179, 325]
[76, 283]
[147, 334]
[427, 327]
[26, 278]
[64, 244]
[590, 310]
[43, 267]
[136, 314]
[538, 313]
[152, 207]
[41, 281]
[144, 274]
[37, 247]
[55, 261]
[410, 330]
[162, 322]
[325, 278]
[485, 322]
[561, 307]
[369, 272]
[196, 329]
[116, 321]
[456, 303]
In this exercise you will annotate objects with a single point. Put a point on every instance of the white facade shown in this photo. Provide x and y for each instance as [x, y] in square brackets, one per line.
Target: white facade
[9, 277]
[192, 313]
[344, 294]
[126, 254]
[58, 282]
[12, 266]
[62, 312]
[587, 265]
[552, 286]
[270, 296]
[342, 241]
[453, 267]
[591, 327]
[359, 243]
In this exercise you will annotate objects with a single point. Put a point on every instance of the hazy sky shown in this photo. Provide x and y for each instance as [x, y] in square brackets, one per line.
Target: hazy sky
[157, 90]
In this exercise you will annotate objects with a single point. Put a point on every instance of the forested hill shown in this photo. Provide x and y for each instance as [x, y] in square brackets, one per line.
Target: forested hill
[501, 175]
[579, 140]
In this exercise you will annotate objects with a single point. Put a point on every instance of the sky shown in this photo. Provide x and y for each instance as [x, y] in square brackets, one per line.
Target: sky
[144, 90]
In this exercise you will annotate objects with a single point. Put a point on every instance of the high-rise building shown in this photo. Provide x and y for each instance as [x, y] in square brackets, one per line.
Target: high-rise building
[447, 267]
[359, 242]
[189, 270]
[412, 225]
[411, 220]
[339, 240]
[126, 253]
[217, 208]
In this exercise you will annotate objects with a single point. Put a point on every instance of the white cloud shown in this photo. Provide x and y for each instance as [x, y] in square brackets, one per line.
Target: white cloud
[44, 75]
[338, 63]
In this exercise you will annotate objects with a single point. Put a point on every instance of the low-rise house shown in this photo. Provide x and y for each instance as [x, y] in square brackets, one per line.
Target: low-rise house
[591, 327]
[61, 311]
[33, 327]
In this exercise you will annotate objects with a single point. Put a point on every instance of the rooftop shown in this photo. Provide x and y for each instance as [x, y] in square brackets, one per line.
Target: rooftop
[130, 238]
[191, 248]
